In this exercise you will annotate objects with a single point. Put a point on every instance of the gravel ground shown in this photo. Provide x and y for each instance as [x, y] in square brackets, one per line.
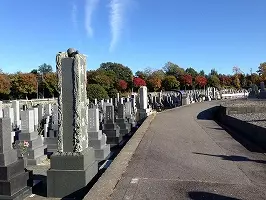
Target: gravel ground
[258, 119]
[244, 102]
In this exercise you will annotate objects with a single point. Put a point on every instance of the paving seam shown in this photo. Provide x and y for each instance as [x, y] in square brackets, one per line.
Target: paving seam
[105, 186]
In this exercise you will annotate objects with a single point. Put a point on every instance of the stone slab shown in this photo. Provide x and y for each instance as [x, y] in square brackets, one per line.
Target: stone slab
[102, 154]
[35, 153]
[114, 140]
[12, 170]
[22, 194]
[8, 157]
[112, 133]
[37, 160]
[14, 185]
[73, 161]
[28, 136]
[95, 135]
[98, 144]
[61, 183]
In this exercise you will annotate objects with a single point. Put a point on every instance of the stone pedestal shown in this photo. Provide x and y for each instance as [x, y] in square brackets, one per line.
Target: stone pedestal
[97, 139]
[110, 128]
[121, 121]
[13, 177]
[35, 151]
[70, 172]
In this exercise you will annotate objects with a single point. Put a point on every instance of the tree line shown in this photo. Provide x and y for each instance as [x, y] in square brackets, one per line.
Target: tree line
[112, 78]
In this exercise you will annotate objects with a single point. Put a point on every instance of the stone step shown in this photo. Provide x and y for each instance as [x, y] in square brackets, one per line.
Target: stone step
[102, 154]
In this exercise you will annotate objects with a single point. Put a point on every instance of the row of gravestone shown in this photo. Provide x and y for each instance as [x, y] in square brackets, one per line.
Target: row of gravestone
[171, 99]
[78, 134]
[254, 91]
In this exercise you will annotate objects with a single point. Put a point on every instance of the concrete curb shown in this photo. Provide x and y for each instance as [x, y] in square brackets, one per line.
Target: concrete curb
[104, 187]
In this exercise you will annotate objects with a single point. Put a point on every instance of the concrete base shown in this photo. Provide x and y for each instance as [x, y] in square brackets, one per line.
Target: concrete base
[103, 153]
[22, 194]
[70, 172]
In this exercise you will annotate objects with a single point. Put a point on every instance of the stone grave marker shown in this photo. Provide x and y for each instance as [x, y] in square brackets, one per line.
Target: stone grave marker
[74, 165]
[13, 177]
[97, 139]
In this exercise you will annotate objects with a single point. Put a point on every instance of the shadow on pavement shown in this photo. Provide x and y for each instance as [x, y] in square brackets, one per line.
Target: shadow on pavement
[208, 196]
[233, 158]
[208, 114]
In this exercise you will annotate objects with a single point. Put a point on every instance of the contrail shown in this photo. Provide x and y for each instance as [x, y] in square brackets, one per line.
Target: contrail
[74, 15]
[90, 6]
[116, 20]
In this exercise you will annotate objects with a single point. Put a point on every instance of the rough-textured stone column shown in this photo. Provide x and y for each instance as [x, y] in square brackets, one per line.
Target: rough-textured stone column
[74, 165]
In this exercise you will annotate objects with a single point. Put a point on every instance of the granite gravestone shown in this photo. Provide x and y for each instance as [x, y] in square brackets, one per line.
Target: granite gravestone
[13, 177]
[97, 139]
[74, 165]
[35, 151]
[143, 111]
[262, 94]
[110, 128]
[121, 120]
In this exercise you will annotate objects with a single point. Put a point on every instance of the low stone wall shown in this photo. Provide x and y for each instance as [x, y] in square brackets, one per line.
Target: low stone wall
[243, 106]
[240, 121]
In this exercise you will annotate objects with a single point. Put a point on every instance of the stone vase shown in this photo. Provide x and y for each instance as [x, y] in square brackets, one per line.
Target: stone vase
[25, 160]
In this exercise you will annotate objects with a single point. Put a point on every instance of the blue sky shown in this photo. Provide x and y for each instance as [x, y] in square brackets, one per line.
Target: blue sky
[202, 34]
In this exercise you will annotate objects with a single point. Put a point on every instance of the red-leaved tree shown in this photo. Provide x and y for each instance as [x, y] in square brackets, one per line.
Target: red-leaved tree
[122, 85]
[201, 81]
[187, 79]
[138, 82]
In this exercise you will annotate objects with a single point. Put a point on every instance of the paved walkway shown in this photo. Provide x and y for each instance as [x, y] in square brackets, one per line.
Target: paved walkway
[182, 157]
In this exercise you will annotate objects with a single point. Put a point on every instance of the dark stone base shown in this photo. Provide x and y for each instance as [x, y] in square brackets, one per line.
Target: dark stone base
[14, 185]
[70, 172]
[61, 183]
[22, 194]
[114, 140]
[10, 171]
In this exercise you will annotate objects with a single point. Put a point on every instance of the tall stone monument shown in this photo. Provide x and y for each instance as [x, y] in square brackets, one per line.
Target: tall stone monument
[143, 111]
[74, 165]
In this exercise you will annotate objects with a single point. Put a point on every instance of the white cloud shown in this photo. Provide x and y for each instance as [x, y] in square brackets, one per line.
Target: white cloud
[90, 6]
[74, 15]
[117, 13]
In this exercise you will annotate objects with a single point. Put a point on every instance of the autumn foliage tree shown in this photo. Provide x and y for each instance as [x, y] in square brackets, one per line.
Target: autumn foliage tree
[5, 85]
[122, 85]
[138, 82]
[50, 83]
[24, 84]
[154, 83]
[201, 81]
[187, 80]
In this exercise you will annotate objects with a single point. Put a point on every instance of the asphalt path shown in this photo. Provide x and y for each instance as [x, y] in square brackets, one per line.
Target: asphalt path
[186, 155]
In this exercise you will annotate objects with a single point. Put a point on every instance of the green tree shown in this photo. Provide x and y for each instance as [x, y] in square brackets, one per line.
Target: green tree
[262, 70]
[214, 81]
[202, 73]
[170, 82]
[34, 71]
[44, 68]
[122, 72]
[96, 91]
[173, 69]
[192, 72]
[214, 72]
[102, 78]
[112, 93]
